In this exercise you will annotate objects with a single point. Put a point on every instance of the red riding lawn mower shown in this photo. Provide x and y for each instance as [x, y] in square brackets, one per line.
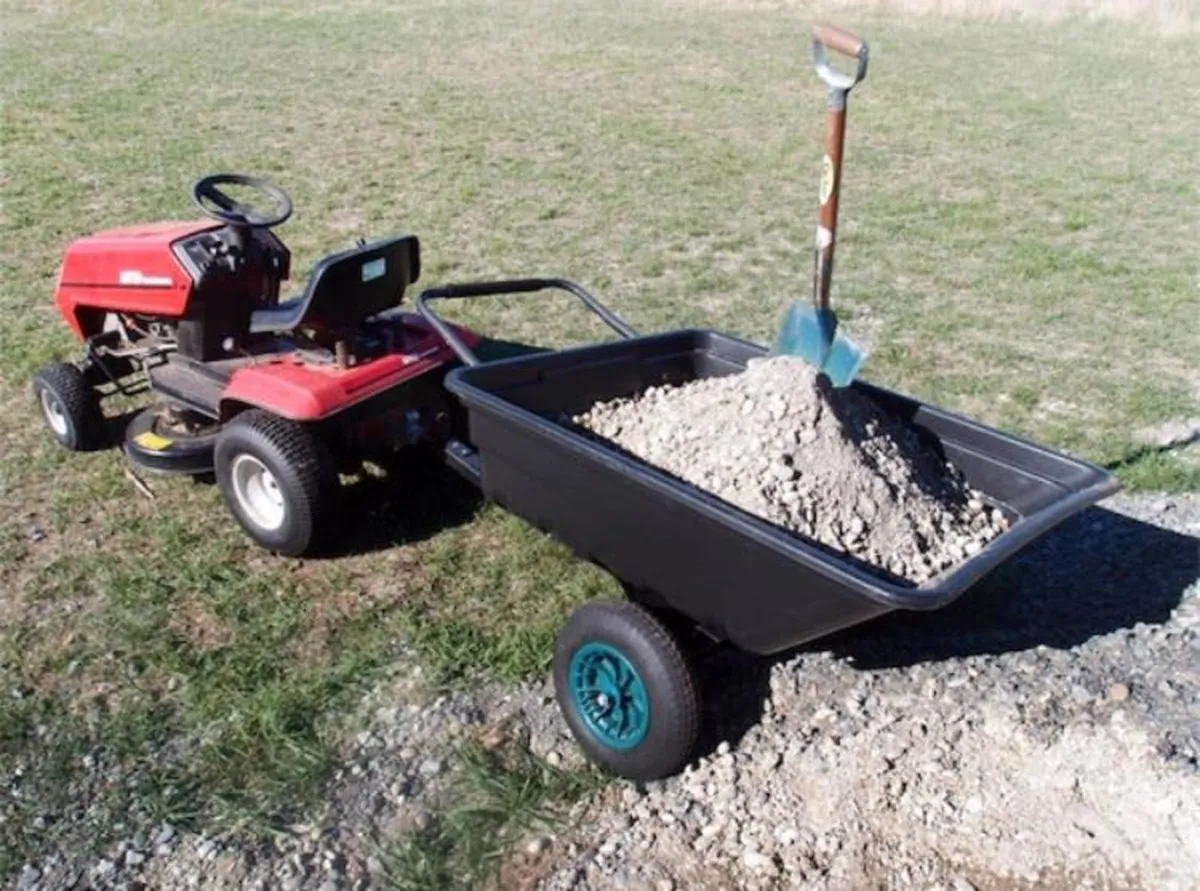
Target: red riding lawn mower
[272, 398]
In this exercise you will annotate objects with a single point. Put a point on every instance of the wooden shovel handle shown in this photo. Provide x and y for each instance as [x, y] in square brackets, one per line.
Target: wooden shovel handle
[839, 83]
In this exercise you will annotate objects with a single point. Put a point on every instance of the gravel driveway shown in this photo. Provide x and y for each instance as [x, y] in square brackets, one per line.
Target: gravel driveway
[1042, 733]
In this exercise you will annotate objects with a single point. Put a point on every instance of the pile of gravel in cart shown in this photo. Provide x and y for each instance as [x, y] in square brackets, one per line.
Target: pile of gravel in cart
[828, 464]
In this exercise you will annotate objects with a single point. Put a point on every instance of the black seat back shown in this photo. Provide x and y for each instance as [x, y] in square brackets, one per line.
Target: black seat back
[348, 287]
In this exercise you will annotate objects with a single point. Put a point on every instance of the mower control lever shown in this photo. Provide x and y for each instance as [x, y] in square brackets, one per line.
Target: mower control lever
[210, 199]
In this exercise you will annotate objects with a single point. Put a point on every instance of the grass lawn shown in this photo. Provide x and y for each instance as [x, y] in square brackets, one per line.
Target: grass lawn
[1018, 242]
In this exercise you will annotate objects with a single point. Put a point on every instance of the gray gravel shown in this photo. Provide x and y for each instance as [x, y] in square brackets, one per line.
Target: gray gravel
[1042, 733]
[393, 756]
[825, 463]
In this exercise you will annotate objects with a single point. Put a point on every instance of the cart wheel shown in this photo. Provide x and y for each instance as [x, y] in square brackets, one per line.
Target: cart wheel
[626, 690]
[278, 480]
[69, 407]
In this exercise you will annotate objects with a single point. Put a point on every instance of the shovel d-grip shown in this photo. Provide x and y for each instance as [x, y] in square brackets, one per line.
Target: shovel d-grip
[829, 37]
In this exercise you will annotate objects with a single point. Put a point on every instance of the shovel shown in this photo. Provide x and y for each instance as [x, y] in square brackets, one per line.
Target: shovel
[810, 331]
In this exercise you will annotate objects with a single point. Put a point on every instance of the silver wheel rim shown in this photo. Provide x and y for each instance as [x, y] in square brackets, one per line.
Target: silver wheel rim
[55, 416]
[258, 493]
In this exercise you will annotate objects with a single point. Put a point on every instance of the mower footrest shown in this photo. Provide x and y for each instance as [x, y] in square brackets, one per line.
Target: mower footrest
[193, 387]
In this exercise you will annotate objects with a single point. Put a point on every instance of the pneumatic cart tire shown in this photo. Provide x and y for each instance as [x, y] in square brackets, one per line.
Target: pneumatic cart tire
[279, 481]
[626, 690]
[69, 407]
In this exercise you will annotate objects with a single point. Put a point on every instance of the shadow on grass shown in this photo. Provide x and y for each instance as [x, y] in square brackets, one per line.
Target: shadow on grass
[115, 426]
[1097, 573]
[1147, 452]
[419, 497]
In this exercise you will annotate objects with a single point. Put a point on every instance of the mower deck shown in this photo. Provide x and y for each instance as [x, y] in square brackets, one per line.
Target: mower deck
[163, 440]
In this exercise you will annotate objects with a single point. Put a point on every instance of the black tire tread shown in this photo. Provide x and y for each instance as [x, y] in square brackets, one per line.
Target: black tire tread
[685, 729]
[79, 401]
[307, 459]
[673, 654]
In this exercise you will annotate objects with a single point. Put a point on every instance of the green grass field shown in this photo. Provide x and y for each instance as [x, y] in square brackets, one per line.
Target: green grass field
[1018, 242]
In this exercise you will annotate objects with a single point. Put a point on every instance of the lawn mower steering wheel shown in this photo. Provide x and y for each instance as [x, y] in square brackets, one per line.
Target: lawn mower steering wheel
[210, 199]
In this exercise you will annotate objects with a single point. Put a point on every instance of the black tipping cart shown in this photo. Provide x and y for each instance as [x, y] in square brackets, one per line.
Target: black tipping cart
[622, 680]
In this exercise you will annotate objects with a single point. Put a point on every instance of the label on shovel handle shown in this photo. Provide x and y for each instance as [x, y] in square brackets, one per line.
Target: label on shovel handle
[826, 179]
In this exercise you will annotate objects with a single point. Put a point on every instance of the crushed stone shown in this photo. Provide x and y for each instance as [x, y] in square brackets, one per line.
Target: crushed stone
[828, 464]
[949, 750]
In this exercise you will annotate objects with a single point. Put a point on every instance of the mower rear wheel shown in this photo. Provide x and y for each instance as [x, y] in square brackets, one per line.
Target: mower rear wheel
[279, 481]
[69, 407]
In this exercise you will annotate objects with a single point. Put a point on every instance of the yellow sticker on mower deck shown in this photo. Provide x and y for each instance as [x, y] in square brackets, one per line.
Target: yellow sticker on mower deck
[152, 441]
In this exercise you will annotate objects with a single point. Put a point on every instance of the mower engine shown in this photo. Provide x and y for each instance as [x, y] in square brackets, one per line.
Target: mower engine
[154, 287]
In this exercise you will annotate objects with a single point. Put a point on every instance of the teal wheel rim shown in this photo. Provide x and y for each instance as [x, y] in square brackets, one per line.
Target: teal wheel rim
[609, 695]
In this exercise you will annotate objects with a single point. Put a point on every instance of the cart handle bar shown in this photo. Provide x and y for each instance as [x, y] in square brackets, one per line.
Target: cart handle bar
[513, 286]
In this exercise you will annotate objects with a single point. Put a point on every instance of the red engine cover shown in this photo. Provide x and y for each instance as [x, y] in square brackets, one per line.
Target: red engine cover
[288, 386]
[132, 269]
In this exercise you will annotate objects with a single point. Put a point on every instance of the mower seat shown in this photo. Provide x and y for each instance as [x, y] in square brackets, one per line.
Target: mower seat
[346, 288]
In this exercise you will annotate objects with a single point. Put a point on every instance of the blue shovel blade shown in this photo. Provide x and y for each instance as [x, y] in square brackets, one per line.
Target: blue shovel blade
[813, 336]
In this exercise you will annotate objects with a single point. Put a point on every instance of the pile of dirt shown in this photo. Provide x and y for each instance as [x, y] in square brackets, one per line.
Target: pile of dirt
[776, 441]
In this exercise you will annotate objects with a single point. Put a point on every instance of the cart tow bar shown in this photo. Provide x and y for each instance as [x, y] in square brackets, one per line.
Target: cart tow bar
[462, 457]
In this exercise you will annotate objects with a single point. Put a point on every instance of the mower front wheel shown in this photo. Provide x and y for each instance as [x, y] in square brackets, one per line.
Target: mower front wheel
[279, 481]
[69, 407]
